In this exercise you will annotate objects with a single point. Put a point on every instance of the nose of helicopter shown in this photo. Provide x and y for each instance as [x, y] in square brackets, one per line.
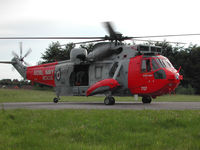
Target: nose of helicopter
[173, 78]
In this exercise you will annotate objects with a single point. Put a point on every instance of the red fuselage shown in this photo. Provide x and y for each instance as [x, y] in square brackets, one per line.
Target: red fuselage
[43, 74]
[152, 76]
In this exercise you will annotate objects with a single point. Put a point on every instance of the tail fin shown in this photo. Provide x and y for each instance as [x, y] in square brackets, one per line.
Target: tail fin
[18, 65]
[18, 61]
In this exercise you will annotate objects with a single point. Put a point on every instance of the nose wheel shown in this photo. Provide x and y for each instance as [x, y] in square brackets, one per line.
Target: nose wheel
[109, 100]
[146, 100]
[56, 99]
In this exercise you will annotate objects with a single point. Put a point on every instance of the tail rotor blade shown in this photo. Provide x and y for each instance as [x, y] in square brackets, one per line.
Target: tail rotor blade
[27, 53]
[20, 46]
[15, 55]
[27, 64]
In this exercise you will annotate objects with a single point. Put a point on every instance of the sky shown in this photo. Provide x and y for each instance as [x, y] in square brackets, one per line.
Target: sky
[85, 17]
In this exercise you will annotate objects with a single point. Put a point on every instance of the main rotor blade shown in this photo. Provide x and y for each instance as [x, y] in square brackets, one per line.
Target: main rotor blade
[84, 42]
[158, 41]
[110, 29]
[87, 42]
[7, 62]
[111, 32]
[47, 38]
[170, 35]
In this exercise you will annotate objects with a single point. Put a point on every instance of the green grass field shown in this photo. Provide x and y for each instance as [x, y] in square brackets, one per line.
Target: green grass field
[22, 129]
[99, 130]
[10, 95]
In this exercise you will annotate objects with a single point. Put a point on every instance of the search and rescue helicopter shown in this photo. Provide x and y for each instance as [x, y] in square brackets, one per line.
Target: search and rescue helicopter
[112, 68]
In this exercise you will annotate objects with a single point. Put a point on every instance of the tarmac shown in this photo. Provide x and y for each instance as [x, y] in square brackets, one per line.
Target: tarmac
[100, 105]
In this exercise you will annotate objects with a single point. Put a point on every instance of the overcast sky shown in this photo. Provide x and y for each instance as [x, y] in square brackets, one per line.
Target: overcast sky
[84, 17]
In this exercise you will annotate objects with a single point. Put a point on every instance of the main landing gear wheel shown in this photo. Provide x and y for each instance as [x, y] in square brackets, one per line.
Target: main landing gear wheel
[55, 100]
[146, 100]
[109, 100]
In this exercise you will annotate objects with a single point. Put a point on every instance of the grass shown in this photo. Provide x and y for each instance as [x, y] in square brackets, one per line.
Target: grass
[13, 95]
[99, 129]
[96, 129]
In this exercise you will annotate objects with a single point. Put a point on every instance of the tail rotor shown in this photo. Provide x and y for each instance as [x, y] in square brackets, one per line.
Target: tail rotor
[21, 57]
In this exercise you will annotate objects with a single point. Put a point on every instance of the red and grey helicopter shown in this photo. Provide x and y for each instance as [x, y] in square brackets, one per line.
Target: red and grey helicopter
[112, 68]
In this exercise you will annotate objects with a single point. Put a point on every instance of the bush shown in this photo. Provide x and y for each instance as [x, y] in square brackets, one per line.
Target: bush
[38, 86]
[185, 90]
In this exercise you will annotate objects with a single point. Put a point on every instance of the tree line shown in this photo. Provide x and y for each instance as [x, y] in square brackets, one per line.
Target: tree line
[189, 60]
[14, 82]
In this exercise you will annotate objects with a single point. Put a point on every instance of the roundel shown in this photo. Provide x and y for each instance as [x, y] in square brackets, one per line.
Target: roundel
[58, 74]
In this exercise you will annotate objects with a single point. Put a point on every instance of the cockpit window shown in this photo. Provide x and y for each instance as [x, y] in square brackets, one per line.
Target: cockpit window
[146, 66]
[161, 63]
[149, 64]
[155, 66]
[168, 63]
[164, 63]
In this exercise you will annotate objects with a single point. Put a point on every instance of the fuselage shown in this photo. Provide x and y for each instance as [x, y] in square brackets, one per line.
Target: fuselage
[150, 75]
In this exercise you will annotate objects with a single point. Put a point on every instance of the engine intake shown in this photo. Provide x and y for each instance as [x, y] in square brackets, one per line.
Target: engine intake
[78, 55]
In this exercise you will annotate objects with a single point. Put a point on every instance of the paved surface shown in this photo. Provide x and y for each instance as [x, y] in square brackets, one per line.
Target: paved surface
[98, 105]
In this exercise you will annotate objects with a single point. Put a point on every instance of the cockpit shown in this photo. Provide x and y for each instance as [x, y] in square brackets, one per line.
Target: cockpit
[155, 64]
[152, 75]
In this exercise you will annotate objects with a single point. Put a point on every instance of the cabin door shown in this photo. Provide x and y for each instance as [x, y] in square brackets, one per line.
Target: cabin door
[80, 79]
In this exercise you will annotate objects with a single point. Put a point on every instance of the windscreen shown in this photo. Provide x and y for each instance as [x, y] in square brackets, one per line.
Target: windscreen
[161, 63]
[155, 63]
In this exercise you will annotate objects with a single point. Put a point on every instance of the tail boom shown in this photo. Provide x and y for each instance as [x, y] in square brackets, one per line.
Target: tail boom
[43, 74]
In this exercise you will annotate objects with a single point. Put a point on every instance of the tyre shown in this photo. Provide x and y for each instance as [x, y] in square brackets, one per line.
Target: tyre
[55, 100]
[146, 100]
[109, 100]
[112, 100]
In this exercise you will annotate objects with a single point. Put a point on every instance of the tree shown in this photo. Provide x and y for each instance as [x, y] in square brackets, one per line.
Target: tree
[191, 65]
[65, 53]
[189, 60]
[55, 53]
[89, 47]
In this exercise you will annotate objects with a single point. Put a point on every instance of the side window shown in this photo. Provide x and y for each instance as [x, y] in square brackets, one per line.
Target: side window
[113, 69]
[160, 74]
[146, 65]
[143, 67]
[98, 72]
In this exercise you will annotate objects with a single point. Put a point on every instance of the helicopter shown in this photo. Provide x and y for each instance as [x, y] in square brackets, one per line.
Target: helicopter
[112, 68]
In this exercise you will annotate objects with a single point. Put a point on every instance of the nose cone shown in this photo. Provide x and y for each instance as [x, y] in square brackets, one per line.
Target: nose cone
[173, 79]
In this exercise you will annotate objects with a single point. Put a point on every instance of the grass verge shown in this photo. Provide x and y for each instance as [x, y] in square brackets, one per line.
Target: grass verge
[10, 95]
[99, 129]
